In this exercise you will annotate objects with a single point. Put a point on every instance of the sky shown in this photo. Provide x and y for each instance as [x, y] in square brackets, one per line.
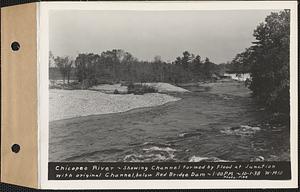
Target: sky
[218, 35]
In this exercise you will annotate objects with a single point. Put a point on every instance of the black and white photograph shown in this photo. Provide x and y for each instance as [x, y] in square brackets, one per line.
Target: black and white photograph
[169, 91]
[169, 86]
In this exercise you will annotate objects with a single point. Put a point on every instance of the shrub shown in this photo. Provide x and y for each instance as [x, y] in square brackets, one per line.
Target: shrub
[140, 89]
[116, 91]
[70, 86]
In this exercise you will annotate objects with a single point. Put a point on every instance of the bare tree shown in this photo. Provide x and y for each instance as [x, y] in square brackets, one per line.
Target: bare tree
[64, 65]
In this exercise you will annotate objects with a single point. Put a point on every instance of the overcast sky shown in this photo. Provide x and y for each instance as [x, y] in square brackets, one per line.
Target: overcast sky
[218, 35]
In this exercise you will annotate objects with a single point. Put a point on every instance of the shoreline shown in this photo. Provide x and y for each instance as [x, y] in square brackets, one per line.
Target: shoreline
[134, 110]
[66, 104]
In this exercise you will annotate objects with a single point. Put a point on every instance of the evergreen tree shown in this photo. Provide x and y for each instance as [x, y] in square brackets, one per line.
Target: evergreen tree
[270, 69]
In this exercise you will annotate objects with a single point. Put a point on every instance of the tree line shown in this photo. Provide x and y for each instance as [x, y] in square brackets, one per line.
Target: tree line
[118, 65]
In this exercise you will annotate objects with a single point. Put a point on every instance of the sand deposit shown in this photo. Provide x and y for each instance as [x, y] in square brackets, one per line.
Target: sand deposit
[161, 88]
[166, 87]
[74, 103]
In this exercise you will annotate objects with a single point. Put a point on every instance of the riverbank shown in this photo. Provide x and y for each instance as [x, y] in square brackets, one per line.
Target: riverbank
[101, 99]
[66, 104]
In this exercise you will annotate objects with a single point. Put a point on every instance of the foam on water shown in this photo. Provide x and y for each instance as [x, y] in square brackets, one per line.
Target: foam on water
[144, 158]
[205, 159]
[255, 159]
[191, 134]
[152, 154]
[243, 130]
[166, 149]
[182, 134]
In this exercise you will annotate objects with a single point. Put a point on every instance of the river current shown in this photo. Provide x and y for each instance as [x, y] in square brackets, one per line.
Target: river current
[214, 122]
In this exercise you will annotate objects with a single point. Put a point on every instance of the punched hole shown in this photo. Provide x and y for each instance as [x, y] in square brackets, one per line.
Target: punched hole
[15, 148]
[15, 46]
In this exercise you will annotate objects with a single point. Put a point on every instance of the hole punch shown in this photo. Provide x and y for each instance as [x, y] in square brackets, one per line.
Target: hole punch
[15, 148]
[15, 46]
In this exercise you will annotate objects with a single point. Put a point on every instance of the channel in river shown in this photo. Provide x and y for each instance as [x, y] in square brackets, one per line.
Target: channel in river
[214, 122]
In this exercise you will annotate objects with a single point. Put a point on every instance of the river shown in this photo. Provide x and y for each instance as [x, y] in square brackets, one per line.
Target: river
[214, 122]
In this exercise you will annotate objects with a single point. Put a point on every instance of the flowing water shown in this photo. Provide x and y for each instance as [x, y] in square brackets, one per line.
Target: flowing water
[213, 122]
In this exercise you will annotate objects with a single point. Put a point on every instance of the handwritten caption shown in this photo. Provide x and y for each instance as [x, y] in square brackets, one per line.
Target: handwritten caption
[205, 170]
